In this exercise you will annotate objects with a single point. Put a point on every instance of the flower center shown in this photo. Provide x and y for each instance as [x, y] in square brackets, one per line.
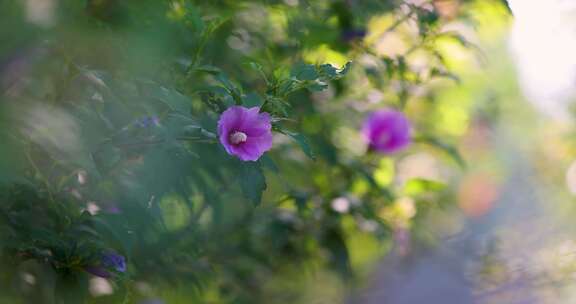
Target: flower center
[238, 137]
[383, 139]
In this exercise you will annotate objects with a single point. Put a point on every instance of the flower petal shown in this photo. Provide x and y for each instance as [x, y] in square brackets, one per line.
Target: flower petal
[387, 131]
[257, 126]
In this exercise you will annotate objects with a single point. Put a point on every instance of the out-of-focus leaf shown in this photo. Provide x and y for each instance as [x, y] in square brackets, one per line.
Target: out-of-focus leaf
[435, 72]
[419, 186]
[210, 69]
[304, 71]
[175, 212]
[302, 141]
[384, 174]
[173, 99]
[445, 147]
[252, 100]
[317, 87]
[252, 181]
[113, 228]
[268, 163]
[339, 257]
[232, 89]
[329, 72]
[426, 20]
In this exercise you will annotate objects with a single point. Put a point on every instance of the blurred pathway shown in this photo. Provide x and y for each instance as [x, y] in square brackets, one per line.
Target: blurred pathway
[494, 259]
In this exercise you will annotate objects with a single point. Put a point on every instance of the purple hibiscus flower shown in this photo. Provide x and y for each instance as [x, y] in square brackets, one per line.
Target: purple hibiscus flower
[245, 132]
[108, 261]
[387, 131]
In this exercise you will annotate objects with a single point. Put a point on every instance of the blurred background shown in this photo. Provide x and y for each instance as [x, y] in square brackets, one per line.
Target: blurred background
[108, 114]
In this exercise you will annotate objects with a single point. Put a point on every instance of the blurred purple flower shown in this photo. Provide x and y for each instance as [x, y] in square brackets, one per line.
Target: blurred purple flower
[245, 132]
[15, 68]
[148, 121]
[98, 271]
[108, 261]
[112, 209]
[114, 261]
[353, 34]
[387, 131]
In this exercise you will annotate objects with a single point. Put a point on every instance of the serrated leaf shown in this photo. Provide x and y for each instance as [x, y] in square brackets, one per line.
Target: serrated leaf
[252, 182]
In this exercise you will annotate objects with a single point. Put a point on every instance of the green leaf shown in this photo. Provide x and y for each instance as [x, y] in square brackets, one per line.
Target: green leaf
[175, 212]
[345, 69]
[173, 99]
[317, 86]
[436, 72]
[419, 186]
[258, 67]
[426, 21]
[302, 141]
[232, 89]
[445, 147]
[304, 71]
[210, 69]
[269, 164]
[113, 227]
[252, 182]
[329, 72]
[217, 90]
[384, 174]
[252, 100]
[339, 258]
[276, 106]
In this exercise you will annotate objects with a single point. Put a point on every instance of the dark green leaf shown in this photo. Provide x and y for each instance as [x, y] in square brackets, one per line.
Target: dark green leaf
[327, 70]
[252, 100]
[268, 163]
[339, 257]
[252, 182]
[173, 99]
[317, 87]
[303, 143]
[208, 69]
[304, 72]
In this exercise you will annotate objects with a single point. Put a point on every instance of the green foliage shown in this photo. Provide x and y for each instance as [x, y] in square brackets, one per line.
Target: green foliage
[253, 182]
[110, 111]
